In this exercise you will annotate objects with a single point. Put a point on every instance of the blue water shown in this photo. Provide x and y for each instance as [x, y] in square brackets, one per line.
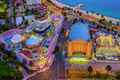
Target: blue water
[79, 31]
[32, 41]
[106, 7]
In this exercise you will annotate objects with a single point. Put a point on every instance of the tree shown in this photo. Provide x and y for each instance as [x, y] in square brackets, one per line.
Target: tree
[8, 73]
[90, 70]
[4, 28]
[108, 68]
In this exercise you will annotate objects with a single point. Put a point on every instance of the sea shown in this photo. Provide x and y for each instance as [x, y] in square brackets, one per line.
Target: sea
[109, 8]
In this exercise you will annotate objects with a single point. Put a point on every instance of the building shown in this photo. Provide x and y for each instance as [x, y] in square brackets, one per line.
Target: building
[3, 7]
[19, 7]
[39, 26]
[33, 2]
[79, 47]
[107, 48]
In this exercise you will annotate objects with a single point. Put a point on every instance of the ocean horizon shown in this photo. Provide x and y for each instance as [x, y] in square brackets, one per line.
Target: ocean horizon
[109, 8]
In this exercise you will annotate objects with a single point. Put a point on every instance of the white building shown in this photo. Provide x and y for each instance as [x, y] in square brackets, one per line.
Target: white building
[33, 2]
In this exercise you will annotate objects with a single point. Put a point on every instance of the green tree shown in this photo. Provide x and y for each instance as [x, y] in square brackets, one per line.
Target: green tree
[4, 28]
[8, 73]
[90, 70]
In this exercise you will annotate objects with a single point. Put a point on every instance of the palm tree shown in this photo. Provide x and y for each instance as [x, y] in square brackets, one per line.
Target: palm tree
[87, 12]
[108, 68]
[90, 70]
[98, 14]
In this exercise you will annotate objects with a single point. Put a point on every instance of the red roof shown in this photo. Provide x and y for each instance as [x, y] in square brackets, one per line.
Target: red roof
[116, 28]
[93, 30]
[89, 17]
[26, 53]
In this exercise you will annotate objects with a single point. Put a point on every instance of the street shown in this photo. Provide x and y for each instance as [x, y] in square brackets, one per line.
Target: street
[56, 71]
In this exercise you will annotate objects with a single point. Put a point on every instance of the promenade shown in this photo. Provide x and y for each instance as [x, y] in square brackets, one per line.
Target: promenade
[114, 20]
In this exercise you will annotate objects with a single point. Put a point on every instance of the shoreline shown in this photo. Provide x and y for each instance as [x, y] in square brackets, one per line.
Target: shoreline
[61, 5]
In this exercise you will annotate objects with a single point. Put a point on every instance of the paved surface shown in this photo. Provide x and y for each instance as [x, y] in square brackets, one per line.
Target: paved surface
[55, 72]
[101, 65]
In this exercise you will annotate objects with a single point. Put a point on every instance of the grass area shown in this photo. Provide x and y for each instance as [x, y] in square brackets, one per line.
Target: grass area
[77, 60]
[3, 6]
[7, 72]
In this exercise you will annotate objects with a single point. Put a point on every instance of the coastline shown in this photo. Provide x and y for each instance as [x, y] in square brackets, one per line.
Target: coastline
[61, 5]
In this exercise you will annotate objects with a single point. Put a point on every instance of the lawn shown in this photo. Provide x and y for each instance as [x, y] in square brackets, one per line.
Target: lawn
[3, 7]
[77, 60]
[5, 70]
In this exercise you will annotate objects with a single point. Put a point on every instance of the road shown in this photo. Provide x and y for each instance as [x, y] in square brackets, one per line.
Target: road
[101, 65]
[55, 72]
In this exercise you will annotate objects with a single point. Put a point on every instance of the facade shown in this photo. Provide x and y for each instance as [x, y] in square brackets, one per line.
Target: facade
[107, 48]
[33, 2]
[80, 47]
[19, 7]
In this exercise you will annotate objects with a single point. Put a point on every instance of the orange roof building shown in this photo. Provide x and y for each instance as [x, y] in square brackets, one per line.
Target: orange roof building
[116, 28]
[79, 46]
[89, 17]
